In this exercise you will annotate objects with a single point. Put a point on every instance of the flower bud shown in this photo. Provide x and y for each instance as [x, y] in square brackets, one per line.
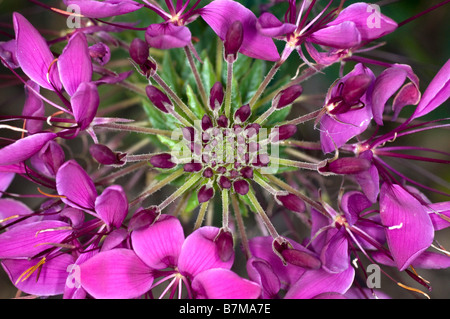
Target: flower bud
[158, 98]
[163, 160]
[241, 187]
[247, 172]
[144, 218]
[222, 121]
[355, 87]
[224, 182]
[104, 155]
[233, 41]
[287, 96]
[139, 51]
[205, 193]
[188, 133]
[206, 122]
[346, 165]
[288, 254]
[100, 52]
[282, 132]
[216, 96]
[192, 167]
[291, 202]
[242, 114]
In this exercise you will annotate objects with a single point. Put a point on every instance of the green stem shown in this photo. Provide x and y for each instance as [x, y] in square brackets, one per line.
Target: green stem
[228, 90]
[264, 84]
[273, 232]
[225, 208]
[241, 227]
[191, 181]
[292, 163]
[201, 215]
[198, 80]
[136, 129]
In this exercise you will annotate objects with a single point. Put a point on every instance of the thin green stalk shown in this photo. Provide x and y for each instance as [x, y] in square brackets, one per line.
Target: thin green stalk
[198, 80]
[136, 129]
[273, 232]
[201, 215]
[228, 89]
[191, 181]
[241, 227]
[225, 208]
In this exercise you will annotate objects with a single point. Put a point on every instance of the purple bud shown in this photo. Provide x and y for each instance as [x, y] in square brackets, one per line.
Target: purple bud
[224, 244]
[100, 52]
[208, 172]
[205, 193]
[291, 202]
[188, 133]
[301, 259]
[144, 218]
[139, 51]
[283, 132]
[104, 155]
[241, 187]
[288, 96]
[252, 130]
[242, 114]
[206, 122]
[192, 167]
[233, 41]
[355, 87]
[346, 165]
[222, 121]
[163, 160]
[247, 172]
[261, 160]
[224, 182]
[51, 157]
[216, 96]
[158, 98]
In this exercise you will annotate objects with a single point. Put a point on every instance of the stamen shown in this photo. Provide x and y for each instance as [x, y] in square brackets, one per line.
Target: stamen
[50, 195]
[13, 128]
[27, 273]
[413, 289]
[8, 218]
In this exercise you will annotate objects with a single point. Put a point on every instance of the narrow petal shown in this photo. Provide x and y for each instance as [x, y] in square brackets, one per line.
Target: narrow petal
[112, 205]
[437, 92]
[224, 284]
[343, 36]
[270, 26]
[316, 282]
[34, 106]
[52, 275]
[200, 252]
[167, 36]
[85, 102]
[426, 260]
[409, 229]
[159, 245]
[369, 180]
[104, 9]
[24, 148]
[33, 53]
[220, 14]
[30, 239]
[74, 63]
[6, 179]
[115, 274]
[75, 184]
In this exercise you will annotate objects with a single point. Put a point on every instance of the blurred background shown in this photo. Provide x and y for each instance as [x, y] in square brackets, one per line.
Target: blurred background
[422, 43]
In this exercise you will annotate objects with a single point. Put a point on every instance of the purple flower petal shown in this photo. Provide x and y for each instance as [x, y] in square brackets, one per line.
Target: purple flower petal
[370, 23]
[6, 179]
[115, 274]
[104, 9]
[34, 106]
[33, 54]
[85, 103]
[260, 271]
[8, 53]
[75, 184]
[437, 92]
[200, 252]
[369, 180]
[11, 207]
[426, 260]
[49, 159]
[52, 275]
[27, 240]
[74, 63]
[409, 230]
[112, 205]
[343, 36]
[23, 149]
[224, 284]
[352, 204]
[316, 282]
[439, 214]
[335, 255]
[167, 36]
[159, 245]
[220, 14]
[269, 26]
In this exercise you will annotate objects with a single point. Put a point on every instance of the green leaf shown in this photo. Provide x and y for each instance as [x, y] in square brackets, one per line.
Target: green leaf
[192, 203]
[193, 102]
[251, 81]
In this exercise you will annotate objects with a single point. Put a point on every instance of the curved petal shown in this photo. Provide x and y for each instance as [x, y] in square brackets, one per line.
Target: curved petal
[224, 284]
[159, 245]
[85, 102]
[74, 63]
[260, 271]
[104, 9]
[167, 36]
[112, 205]
[269, 26]
[34, 106]
[220, 14]
[343, 36]
[200, 252]
[33, 53]
[115, 274]
[75, 184]
[52, 275]
[409, 229]
[10, 207]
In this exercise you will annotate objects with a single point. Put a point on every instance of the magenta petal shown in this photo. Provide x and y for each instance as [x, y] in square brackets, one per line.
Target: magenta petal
[317, 282]
[437, 92]
[159, 245]
[52, 275]
[260, 271]
[167, 36]
[224, 284]
[6, 179]
[115, 274]
[30, 239]
[426, 260]
[269, 26]
[439, 214]
[85, 103]
[33, 53]
[409, 229]
[74, 63]
[112, 205]
[344, 35]
[76, 185]
[335, 256]
[200, 252]
[24, 148]
[34, 106]
[220, 14]
[104, 9]
[11, 207]
[370, 23]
